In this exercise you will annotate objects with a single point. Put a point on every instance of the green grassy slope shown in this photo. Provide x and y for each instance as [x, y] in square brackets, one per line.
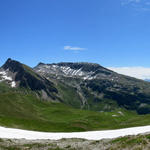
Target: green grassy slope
[25, 111]
[69, 95]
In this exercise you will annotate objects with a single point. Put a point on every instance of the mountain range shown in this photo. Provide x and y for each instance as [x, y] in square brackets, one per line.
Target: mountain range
[80, 85]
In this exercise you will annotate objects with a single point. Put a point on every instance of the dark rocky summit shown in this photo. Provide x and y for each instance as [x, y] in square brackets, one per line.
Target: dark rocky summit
[26, 77]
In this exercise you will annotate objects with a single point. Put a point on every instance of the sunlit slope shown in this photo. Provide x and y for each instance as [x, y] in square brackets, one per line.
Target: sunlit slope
[21, 109]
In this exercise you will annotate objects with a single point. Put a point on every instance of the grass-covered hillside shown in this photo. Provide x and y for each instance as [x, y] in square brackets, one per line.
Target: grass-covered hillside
[21, 109]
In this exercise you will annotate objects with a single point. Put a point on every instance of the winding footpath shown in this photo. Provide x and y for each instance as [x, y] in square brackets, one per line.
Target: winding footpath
[91, 135]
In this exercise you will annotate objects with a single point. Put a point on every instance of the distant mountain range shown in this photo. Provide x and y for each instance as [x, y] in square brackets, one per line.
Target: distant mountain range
[80, 85]
[148, 80]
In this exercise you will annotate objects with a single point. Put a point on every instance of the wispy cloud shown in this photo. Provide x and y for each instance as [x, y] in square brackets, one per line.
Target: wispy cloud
[139, 5]
[125, 2]
[73, 48]
[137, 72]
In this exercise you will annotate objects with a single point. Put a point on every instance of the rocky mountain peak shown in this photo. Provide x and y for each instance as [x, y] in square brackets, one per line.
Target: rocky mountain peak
[81, 65]
[82, 70]
[40, 63]
[12, 65]
[23, 76]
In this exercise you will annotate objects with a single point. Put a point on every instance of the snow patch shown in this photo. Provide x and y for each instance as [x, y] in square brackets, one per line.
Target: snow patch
[91, 135]
[5, 77]
[13, 84]
[65, 71]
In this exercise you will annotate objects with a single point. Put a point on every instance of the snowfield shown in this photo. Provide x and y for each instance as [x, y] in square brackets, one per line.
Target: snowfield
[5, 77]
[91, 135]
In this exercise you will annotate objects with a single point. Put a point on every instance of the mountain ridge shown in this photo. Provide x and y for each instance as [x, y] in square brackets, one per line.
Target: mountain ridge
[79, 69]
[25, 77]
[100, 84]
[81, 85]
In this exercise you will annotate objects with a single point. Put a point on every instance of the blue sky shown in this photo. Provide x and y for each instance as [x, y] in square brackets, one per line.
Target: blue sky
[114, 33]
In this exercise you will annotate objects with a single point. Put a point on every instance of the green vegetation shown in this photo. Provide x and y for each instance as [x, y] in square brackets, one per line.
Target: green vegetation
[106, 91]
[96, 103]
[21, 110]
[138, 142]
[69, 95]
[30, 71]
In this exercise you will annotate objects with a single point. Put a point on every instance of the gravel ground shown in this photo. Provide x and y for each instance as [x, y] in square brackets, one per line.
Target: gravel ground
[64, 144]
[137, 142]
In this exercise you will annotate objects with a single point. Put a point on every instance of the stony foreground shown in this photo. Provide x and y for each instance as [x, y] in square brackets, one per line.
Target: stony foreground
[139, 142]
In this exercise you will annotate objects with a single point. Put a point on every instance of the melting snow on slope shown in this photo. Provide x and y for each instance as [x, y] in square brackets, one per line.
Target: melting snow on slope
[5, 77]
[13, 84]
[92, 135]
[66, 71]
[72, 72]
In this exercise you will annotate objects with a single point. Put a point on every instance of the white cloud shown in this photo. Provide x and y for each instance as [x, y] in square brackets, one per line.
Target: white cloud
[138, 5]
[137, 72]
[73, 48]
[125, 2]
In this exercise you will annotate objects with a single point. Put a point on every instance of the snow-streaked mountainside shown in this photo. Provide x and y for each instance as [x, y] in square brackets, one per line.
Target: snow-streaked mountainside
[99, 88]
[92, 135]
[80, 85]
[85, 71]
[67, 71]
[17, 75]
